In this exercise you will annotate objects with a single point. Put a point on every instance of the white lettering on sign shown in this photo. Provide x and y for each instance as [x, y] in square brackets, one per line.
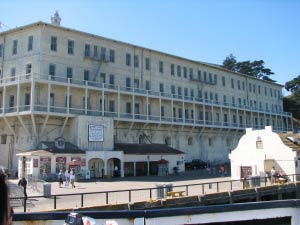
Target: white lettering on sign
[96, 132]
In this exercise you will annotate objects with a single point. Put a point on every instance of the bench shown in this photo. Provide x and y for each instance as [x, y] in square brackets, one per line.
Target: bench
[175, 193]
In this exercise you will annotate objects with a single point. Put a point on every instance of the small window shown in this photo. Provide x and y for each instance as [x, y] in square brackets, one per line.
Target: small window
[86, 75]
[111, 79]
[87, 50]
[161, 66]
[1, 50]
[103, 54]
[30, 43]
[168, 141]
[128, 59]
[28, 69]
[15, 47]
[147, 62]
[112, 55]
[190, 141]
[69, 72]
[52, 70]
[3, 139]
[70, 47]
[53, 45]
[172, 69]
[184, 72]
[148, 85]
[223, 81]
[95, 51]
[136, 61]
[179, 71]
[111, 106]
[210, 142]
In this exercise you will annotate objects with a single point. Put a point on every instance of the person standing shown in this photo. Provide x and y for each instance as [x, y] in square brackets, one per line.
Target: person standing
[60, 178]
[67, 176]
[273, 175]
[23, 183]
[116, 171]
[6, 211]
[72, 178]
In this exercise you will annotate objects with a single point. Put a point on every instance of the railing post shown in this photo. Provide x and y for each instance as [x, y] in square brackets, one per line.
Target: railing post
[81, 200]
[129, 196]
[24, 204]
[231, 185]
[187, 190]
[106, 198]
[203, 189]
[217, 186]
[150, 193]
[54, 201]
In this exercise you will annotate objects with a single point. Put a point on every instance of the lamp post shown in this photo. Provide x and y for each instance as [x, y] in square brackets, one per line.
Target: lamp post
[148, 165]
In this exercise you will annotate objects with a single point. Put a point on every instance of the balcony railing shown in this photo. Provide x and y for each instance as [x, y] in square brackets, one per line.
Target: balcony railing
[71, 81]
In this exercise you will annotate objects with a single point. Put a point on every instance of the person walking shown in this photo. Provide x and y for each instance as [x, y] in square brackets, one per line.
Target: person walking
[273, 175]
[72, 178]
[60, 178]
[23, 182]
[67, 177]
[6, 211]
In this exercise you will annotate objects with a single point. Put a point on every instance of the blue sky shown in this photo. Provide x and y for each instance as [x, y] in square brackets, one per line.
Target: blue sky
[204, 30]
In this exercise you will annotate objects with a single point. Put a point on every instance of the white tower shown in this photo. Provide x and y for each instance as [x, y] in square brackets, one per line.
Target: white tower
[55, 20]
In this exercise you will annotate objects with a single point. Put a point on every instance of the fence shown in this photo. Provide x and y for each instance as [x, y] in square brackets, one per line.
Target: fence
[67, 201]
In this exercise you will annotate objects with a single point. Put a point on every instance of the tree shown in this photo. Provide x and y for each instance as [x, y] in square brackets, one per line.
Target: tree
[293, 85]
[254, 69]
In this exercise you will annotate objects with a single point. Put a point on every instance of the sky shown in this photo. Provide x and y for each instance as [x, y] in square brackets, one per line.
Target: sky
[202, 30]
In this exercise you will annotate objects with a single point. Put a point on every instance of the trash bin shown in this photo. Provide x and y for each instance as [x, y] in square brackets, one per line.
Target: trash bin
[47, 189]
[162, 190]
[246, 182]
[254, 181]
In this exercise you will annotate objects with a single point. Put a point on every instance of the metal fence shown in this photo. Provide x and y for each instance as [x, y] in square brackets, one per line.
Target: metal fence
[76, 200]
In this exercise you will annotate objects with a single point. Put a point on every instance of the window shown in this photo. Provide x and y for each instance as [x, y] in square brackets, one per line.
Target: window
[192, 93]
[11, 101]
[111, 106]
[200, 94]
[136, 61]
[53, 45]
[224, 99]
[102, 77]
[128, 59]
[199, 75]
[136, 83]
[86, 75]
[232, 83]
[179, 91]
[3, 139]
[102, 105]
[30, 43]
[27, 99]
[161, 87]
[103, 54]
[70, 101]
[28, 69]
[161, 66]
[13, 73]
[239, 84]
[186, 92]
[112, 55]
[191, 73]
[190, 141]
[147, 63]
[148, 85]
[179, 71]
[184, 72]
[128, 82]
[223, 81]
[250, 88]
[111, 79]
[173, 89]
[216, 98]
[172, 70]
[186, 114]
[87, 50]
[233, 101]
[15, 47]
[69, 72]
[162, 110]
[70, 47]
[243, 85]
[95, 51]
[215, 79]
[210, 77]
[52, 70]
[128, 107]
[210, 143]
[168, 141]
[180, 113]
[1, 50]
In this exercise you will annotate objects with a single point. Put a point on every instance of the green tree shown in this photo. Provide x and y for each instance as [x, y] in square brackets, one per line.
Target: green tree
[293, 85]
[254, 69]
[291, 103]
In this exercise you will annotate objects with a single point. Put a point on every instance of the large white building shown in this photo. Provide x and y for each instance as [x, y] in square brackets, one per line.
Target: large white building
[59, 82]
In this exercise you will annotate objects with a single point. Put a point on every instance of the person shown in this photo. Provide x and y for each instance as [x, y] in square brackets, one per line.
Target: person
[23, 182]
[273, 175]
[6, 211]
[72, 178]
[60, 178]
[222, 170]
[102, 172]
[67, 176]
[116, 170]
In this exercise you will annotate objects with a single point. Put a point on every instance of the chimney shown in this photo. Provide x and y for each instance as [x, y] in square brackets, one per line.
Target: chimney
[55, 20]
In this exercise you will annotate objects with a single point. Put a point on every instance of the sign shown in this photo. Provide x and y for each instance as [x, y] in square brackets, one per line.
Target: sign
[45, 159]
[96, 132]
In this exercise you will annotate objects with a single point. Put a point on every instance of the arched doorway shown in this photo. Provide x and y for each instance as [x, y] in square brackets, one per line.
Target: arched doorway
[96, 167]
[114, 167]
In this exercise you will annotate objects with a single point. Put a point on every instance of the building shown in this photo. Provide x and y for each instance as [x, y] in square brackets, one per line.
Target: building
[259, 150]
[60, 82]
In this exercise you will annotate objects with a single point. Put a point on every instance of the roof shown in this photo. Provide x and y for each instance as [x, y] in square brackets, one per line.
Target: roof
[49, 146]
[144, 149]
[211, 65]
[291, 140]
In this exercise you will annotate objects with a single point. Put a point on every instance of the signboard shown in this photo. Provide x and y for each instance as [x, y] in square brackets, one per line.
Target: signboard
[96, 132]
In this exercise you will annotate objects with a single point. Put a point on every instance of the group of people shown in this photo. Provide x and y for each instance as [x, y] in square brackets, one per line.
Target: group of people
[277, 176]
[69, 177]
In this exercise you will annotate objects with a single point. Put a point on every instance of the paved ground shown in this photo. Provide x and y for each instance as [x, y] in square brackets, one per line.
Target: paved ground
[99, 185]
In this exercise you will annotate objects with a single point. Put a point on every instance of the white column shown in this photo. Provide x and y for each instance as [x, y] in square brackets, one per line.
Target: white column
[147, 109]
[159, 108]
[134, 169]
[68, 99]
[119, 102]
[48, 99]
[3, 98]
[103, 101]
[18, 97]
[32, 95]
[85, 99]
